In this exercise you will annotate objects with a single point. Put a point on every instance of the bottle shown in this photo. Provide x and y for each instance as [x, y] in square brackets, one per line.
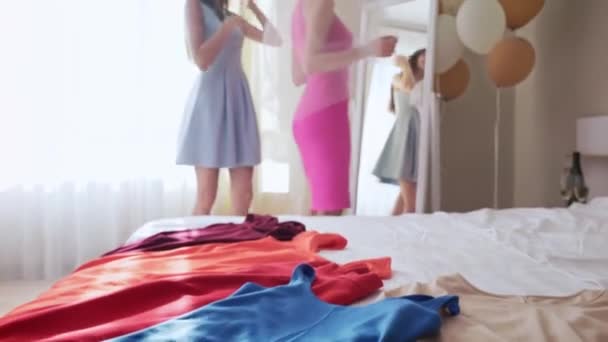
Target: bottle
[575, 190]
[566, 180]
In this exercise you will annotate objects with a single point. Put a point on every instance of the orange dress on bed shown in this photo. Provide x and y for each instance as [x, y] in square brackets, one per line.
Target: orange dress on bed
[119, 294]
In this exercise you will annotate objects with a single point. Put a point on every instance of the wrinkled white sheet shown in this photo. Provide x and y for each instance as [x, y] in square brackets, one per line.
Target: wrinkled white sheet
[519, 251]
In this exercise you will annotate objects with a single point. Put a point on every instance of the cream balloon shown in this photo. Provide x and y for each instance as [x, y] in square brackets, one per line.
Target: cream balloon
[449, 47]
[481, 24]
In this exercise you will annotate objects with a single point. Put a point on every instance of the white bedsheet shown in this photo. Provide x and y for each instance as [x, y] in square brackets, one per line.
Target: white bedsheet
[520, 251]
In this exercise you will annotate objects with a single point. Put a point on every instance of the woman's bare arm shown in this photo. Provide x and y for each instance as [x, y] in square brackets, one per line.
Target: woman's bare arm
[404, 80]
[204, 52]
[269, 35]
[398, 82]
[319, 16]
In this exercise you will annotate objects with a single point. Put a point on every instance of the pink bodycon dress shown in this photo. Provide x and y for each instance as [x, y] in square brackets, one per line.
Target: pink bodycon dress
[321, 127]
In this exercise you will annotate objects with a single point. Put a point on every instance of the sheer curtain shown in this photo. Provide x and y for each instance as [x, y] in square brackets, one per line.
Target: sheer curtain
[281, 179]
[91, 96]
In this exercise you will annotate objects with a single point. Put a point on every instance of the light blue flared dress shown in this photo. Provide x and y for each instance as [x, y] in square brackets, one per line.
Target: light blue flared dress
[219, 128]
[399, 158]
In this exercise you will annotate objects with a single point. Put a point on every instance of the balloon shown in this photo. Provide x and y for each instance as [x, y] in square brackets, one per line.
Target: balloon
[510, 61]
[449, 46]
[481, 24]
[454, 82]
[521, 12]
[450, 7]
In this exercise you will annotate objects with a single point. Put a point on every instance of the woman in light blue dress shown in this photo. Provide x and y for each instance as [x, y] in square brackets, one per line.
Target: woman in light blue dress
[219, 129]
[398, 162]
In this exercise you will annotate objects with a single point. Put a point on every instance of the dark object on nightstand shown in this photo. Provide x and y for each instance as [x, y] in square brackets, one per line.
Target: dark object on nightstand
[573, 188]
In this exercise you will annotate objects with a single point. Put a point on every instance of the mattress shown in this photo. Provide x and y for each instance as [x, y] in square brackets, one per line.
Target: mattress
[550, 252]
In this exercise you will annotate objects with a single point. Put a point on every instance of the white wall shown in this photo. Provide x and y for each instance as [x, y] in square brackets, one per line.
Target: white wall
[570, 81]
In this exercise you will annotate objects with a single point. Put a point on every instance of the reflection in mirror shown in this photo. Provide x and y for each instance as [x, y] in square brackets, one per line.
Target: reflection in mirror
[388, 166]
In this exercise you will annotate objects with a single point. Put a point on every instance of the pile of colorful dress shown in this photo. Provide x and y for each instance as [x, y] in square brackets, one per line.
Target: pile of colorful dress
[261, 280]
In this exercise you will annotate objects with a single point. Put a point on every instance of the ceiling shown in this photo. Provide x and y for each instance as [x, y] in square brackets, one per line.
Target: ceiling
[414, 14]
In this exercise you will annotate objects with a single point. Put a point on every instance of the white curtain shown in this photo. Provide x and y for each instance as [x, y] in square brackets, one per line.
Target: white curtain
[91, 96]
[281, 175]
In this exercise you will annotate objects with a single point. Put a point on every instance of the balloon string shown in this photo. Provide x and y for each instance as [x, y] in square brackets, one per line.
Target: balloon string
[496, 148]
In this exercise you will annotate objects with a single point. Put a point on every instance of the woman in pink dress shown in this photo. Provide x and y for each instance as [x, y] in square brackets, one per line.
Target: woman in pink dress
[322, 53]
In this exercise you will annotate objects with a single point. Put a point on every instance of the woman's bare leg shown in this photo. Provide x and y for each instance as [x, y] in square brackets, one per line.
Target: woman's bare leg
[241, 180]
[206, 190]
[399, 205]
[408, 192]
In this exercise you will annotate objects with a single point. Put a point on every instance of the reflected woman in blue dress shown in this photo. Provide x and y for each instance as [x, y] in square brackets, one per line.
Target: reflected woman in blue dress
[219, 128]
[398, 162]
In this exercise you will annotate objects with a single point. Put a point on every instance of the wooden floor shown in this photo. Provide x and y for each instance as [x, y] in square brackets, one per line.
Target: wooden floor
[13, 294]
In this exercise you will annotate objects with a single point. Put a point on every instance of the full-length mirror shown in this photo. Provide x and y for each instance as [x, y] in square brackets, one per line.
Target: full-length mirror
[392, 105]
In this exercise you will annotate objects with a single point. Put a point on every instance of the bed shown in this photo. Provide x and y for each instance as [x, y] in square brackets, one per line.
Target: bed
[529, 252]
[517, 251]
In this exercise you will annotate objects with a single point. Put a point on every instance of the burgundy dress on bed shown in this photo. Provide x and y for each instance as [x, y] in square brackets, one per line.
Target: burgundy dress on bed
[255, 227]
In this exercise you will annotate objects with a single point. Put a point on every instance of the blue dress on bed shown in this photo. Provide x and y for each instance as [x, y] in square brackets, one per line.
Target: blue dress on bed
[219, 128]
[293, 313]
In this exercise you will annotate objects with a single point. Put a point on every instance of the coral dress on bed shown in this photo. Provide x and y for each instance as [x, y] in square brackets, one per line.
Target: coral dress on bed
[321, 127]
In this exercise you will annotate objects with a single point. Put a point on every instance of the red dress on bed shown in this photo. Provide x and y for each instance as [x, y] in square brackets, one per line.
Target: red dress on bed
[120, 294]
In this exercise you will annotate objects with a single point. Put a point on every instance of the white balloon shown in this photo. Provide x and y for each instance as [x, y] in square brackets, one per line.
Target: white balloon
[481, 24]
[449, 47]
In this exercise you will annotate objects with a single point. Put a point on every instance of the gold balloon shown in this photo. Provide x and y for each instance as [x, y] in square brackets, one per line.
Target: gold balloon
[450, 7]
[521, 12]
[454, 82]
[510, 61]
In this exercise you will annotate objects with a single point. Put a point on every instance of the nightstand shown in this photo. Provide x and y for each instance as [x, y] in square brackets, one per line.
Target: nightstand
[592, 143]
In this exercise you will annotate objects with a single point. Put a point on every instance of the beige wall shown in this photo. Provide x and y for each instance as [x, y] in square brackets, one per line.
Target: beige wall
[570, 81]
[467, 144]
